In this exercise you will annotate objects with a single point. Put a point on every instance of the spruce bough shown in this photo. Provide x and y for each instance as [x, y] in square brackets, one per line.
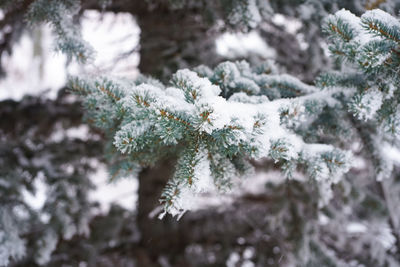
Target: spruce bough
[217, 119]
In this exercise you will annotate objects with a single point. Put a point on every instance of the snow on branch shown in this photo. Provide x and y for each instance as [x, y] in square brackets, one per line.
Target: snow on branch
[210, 131]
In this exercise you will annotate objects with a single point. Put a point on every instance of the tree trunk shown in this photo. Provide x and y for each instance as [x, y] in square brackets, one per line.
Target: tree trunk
[172, 40]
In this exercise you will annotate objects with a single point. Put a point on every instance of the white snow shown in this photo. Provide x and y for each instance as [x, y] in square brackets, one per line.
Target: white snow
[103, 31]
[34, 68]
[392, 153]
[47, 244]
[203, 181]
[370, 103]
[33, 72]
[234, 45]
[37, 200]
[254, 14]
[81, 132]
[291, 25]
[233, 259]
[202, 86]
[385, 236]
[355, 25]
[381, 16]
[122, 192]
[355, 227]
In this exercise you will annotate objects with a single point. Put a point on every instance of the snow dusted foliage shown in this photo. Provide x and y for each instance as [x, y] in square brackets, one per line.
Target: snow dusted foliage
[365, 105]
[371, 44]
[44, 183]
[62, 16]
[11, 245]
[215, 123]
[246, 14]
[59, 15]
[47, 244]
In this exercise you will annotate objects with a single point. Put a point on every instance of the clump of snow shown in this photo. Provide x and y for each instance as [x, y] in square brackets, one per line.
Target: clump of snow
[122, 191]
[47, 244]
[203, 181]
[81, 132]
[355, 227]
[354, 24]
[385, 153]
[290, 24]
[248, 99]
[240, 45]
[233, 259]
[370, 103]
[349, 18]
[202, 86]
[392, 153]
[381, 16]
[37, 200]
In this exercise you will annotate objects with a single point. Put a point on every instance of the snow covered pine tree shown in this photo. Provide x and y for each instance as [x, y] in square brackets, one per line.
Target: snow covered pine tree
[221, 121]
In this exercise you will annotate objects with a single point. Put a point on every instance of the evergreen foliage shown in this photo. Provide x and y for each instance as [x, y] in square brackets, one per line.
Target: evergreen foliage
[212, 133]
[27, 163]
[60, 14]
[218, 122]
[218, 117]
[371, 44]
